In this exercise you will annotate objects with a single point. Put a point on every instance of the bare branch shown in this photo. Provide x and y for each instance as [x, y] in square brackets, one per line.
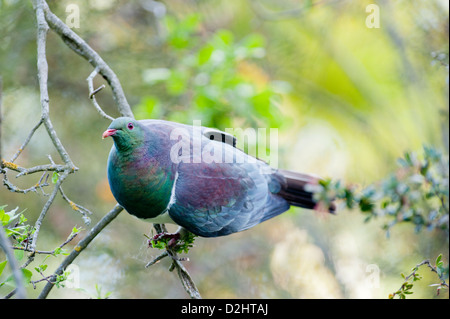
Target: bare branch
[92, 93]
[42, 66]
[157, 259]
[40, 168]
[84, 211]
[44, 278]
[11, 187]
[47, 252]
[185, 278]
[77, 44]
[44, 210]
[27, 140]
[81, 246]
[186, 281]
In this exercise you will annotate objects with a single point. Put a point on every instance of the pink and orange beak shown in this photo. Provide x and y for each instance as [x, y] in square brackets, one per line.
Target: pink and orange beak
[109, 132]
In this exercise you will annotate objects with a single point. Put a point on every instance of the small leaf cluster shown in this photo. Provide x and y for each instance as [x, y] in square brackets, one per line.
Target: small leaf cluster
[440, 268]
[20, 234]
[406, 288]
[416, 193]
[15, 227]
[99, 294]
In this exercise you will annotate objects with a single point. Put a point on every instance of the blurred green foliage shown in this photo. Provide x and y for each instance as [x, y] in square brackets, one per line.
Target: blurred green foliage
[347, 100]
[417, 193]
[216, 69]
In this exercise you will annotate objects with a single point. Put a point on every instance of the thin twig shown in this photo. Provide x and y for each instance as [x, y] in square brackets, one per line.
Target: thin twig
[42, 67]
[433, 269]
[40, 168]
[44, 278]
[76, 207]
[92, 93]
[157, 259]
[27, 140]
[427, 262]
[186, 281]
[13, 188]
[81, 246]
[44, 210]
[47, 252]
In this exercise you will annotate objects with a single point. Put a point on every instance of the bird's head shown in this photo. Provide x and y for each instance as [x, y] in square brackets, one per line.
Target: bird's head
[126, 132]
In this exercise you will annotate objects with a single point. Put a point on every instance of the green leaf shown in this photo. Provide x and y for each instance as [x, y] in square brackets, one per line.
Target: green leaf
[41, 268]
[225, 36]
[204, 54]
[2, 266]
[438, 259]
[26, 278]
[27, 275]
[408, 159]
[58, 250]
[253, 41]
[75, 230]
[55, 177]
[2, 212]
[22, 219]
[19, 254]
[7, 217]
[367, 219]
[366, 205]
[176, 83]
[4, 218]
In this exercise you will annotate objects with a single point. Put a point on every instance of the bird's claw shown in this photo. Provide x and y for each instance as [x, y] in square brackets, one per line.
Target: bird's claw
[173, 239]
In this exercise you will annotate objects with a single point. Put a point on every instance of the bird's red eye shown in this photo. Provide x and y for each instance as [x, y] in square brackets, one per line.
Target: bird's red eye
[130, 126]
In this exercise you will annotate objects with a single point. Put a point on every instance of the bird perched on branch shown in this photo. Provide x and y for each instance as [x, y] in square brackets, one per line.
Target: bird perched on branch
[195, 177]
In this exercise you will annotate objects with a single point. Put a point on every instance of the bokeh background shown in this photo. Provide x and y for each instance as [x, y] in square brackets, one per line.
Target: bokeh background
[347, 100]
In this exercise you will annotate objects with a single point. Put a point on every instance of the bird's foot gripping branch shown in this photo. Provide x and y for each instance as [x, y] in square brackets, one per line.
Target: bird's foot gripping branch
[179, 242]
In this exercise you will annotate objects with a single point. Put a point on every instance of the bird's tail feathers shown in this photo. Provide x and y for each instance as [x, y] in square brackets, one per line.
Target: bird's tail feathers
[296, 191]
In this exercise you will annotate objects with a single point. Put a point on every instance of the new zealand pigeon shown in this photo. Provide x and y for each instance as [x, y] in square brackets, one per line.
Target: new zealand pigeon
[195, 177]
